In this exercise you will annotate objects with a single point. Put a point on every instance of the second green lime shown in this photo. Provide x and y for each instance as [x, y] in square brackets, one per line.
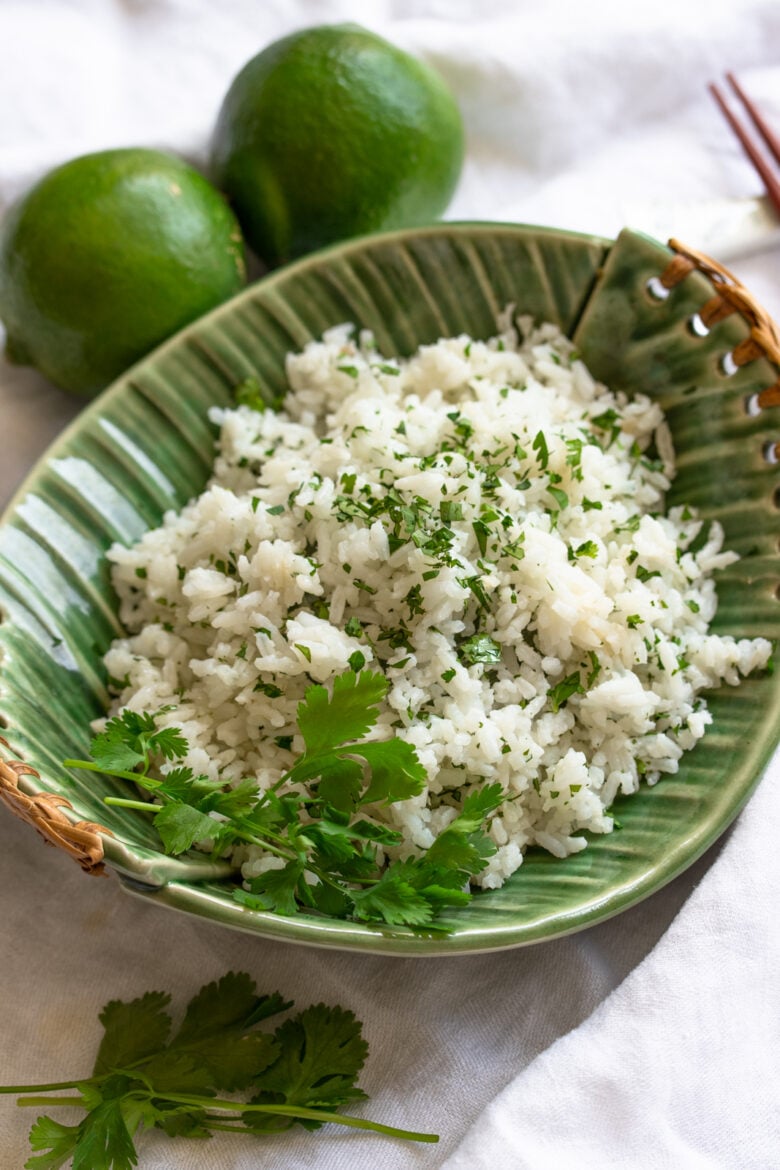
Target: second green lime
[107, 256]
[333, 132]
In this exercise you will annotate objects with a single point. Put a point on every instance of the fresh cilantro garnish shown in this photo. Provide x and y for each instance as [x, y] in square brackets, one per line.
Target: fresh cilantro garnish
[480, 648]
[643, 574]
[149, 1076]
[588, 548]
[559, 495]
[319, 819]
[608, 420]
[563, 691]
[249, 393]
[595, 668]
[539, 445]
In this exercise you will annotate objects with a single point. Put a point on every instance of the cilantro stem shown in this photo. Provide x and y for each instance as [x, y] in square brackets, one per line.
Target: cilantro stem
[89, 766]
[51, 1101]
[141, 805]
[297, 1111]
[43, 1088]
[302, 1111]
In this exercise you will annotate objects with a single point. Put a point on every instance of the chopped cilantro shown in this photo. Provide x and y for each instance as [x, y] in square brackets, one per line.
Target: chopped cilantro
[588, 548]
[249, 393]
[563, 691]
[450, 510]
[644, 574]
[539, 445]
[595, 668]
[560, 497]
[480, 648]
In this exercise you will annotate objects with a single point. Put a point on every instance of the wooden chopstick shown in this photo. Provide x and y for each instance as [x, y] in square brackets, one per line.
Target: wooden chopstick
[758, 119]
[762, 166]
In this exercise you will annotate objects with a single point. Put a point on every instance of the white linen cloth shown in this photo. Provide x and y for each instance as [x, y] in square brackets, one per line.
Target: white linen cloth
[650, 1041]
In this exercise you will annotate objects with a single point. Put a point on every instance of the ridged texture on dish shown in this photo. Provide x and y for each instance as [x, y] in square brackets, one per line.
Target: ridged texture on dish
[146, 446]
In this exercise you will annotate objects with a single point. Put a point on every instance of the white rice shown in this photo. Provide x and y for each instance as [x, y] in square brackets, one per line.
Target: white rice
[541, 496]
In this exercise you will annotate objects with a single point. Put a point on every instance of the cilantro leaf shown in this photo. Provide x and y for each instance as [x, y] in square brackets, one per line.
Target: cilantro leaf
[439, 885]
[233, 802]
[340, 783]
[113, 751]
[127, 740]
[133, 1030]
[560, 497]
[332, 842]
[465, 853]
[480, 648]
[215, 1033]
[274, 890]
[181, 782]
[249, 393]
[229, 1002]
[169, 742]
[180, 826]
[396, 772]
[321, 1052]
[476, 806]
[563, 691]
[178, 1072]
[59, 1142]
[463, 847]
[539, 445]
[326, 721]
[104, 1140]
[393, 899]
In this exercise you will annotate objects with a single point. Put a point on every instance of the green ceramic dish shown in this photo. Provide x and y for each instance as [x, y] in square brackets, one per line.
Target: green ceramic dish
[146, 446]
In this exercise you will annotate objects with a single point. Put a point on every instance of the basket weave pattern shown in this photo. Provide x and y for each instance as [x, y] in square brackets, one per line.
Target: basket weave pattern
[44, 811]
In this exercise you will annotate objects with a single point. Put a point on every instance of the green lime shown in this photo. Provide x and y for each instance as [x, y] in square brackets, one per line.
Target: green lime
[107, 256]
[333, 132]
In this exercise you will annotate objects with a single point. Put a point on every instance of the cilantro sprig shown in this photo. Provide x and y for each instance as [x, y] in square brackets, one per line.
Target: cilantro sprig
[148, 1076]
[319, 822]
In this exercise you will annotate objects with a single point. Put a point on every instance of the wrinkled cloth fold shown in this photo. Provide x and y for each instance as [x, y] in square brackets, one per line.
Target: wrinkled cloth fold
[650, 1041]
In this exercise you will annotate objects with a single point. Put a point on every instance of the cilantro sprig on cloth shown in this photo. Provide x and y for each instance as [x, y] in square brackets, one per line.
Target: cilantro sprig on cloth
[319, 820]
[147, 1076]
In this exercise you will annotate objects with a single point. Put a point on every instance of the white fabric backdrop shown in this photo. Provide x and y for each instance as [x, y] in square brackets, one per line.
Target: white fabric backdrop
[649, 1041]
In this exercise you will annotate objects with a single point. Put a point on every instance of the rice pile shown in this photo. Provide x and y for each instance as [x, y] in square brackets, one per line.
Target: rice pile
[483, 523]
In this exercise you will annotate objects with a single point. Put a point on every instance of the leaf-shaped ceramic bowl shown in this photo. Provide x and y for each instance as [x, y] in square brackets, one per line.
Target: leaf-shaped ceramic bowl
[146, 446]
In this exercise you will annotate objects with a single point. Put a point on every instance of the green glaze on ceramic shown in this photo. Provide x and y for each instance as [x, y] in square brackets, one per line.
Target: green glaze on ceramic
[146, 446]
